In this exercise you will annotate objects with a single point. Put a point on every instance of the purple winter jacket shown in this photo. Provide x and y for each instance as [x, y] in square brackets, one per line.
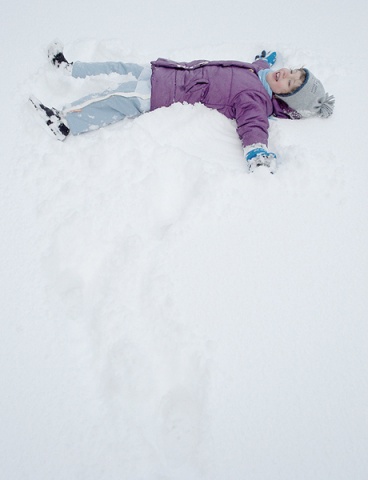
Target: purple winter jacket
[231, 87]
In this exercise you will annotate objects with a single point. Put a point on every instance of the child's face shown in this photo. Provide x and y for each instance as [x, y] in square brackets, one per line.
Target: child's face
[284, 80]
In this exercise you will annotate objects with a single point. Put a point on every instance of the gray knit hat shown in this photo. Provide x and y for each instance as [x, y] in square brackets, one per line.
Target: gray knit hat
[310, 98]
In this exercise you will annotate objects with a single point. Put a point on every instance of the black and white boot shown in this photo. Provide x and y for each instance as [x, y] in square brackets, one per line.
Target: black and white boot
[51, 118]
[56, 56]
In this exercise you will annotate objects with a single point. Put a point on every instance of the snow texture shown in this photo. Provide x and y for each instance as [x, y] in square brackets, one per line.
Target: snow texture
[164, 314]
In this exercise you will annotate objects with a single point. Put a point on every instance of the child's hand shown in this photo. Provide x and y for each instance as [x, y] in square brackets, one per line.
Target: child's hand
[257, 155]
[270, 57]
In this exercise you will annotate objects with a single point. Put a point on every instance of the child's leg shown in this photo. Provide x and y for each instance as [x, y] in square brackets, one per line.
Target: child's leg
[99, 110]
[84, 69]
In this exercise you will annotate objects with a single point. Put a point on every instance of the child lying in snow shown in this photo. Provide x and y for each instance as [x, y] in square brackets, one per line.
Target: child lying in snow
[246, 92]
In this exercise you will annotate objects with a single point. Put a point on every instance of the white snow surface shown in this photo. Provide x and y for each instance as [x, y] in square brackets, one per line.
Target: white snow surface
[164, 314]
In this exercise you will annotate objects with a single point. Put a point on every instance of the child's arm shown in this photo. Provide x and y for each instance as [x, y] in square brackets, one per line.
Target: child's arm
[251, 118]
[252, 128]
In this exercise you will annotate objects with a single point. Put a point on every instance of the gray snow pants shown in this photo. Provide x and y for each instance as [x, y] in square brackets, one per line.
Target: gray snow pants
[129, 100]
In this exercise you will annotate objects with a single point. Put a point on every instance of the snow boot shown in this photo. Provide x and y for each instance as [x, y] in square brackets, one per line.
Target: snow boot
[56, 56]
[51, 118]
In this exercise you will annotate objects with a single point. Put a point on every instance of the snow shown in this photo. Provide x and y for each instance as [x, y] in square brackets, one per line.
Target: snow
[164, 314]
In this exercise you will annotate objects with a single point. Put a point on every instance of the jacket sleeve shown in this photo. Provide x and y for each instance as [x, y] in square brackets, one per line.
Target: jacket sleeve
[261, 64]
[250, 113]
